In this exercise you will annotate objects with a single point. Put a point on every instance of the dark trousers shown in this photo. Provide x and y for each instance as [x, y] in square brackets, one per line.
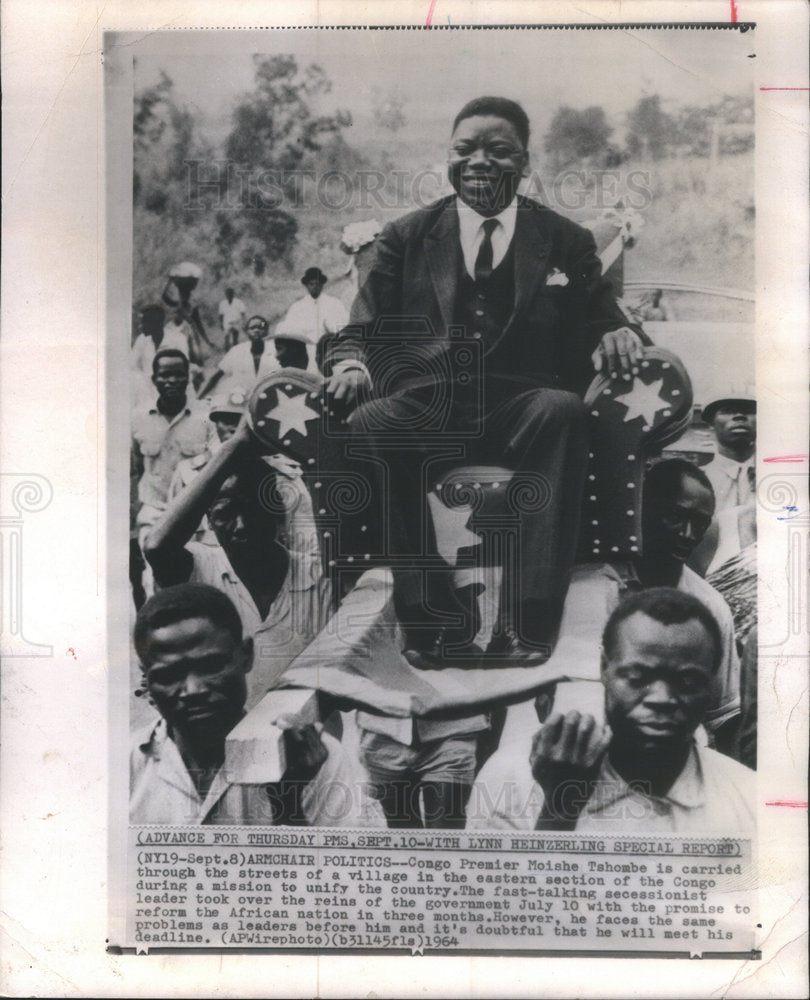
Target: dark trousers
[405, 442]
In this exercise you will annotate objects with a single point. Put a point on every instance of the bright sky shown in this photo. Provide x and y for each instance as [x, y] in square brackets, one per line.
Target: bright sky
[436, 72]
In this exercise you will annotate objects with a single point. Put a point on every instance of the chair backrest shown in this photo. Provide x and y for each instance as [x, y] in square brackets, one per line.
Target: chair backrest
[476, 509]
[629, 424]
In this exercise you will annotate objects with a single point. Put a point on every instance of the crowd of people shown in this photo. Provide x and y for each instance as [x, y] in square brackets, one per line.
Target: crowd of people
[230, 589]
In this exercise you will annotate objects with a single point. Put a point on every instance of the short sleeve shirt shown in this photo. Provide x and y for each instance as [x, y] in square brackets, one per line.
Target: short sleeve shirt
[162, 792]
[231, 312]
[311, 319]
[164, 442]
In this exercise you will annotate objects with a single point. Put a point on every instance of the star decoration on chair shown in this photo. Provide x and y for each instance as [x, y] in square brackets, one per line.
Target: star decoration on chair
[643, 401]
[452, 533]
[292, 413]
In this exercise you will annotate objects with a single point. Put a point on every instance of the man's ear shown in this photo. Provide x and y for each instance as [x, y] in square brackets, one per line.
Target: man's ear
[602, 667]
[247, 653]
[527, 162]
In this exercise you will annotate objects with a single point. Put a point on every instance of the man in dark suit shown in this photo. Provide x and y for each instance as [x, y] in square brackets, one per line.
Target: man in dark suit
[477, 330]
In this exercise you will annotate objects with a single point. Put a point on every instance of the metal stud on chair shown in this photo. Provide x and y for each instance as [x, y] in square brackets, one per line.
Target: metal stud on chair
[628, 426]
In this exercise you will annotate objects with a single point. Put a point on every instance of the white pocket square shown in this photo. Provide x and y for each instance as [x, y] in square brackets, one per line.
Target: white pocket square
[557, 277]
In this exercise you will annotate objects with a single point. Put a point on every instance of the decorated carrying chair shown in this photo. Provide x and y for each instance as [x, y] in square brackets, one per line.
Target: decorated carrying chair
[358, 658]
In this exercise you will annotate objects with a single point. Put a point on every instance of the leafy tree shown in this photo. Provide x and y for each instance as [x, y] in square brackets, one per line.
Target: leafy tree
[166, 230]
[388, 109]
[163, 140]
[693, 132]
[732, 119]
[235, 208]
[650, 129]
[275, 137]
[577, 136]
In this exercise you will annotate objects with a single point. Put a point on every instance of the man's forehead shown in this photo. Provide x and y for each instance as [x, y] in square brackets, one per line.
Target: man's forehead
[486, 126]
[691, 493]
[639, 633]
[687, 491]
[188, 633]
[743, 408]
[169, 364]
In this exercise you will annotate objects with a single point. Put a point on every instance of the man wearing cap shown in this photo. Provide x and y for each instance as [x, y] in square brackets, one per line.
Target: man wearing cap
[731, 471]
[314, 316]
[245, 364]
[261, 516]
[677, 511]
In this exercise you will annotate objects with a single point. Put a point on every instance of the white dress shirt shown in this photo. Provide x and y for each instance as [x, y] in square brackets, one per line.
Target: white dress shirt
[310, 319]
[471, 232]
[730, 481]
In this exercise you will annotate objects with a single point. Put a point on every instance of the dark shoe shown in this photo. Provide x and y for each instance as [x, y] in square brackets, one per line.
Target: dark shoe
[444, 650]
[445, 645]
[509, 649]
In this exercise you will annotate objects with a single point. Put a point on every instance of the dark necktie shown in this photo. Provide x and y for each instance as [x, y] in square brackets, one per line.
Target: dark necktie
[483, 262]
[257, 357]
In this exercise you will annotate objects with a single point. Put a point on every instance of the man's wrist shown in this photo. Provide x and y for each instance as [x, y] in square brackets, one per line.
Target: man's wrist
[349, 365]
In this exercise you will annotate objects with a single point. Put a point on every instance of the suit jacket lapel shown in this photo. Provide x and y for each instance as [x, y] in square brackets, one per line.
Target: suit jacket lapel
[531, 252]
[442, 250]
